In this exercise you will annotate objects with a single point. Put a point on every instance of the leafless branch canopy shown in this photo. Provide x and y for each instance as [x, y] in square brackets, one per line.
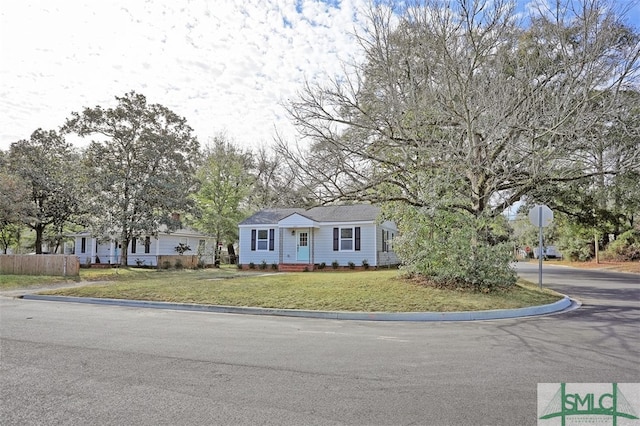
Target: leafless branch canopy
[468, 105]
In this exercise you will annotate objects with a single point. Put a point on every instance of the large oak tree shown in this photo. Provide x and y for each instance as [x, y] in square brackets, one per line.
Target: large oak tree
[46, 169]
[464, 106]
[141, 167]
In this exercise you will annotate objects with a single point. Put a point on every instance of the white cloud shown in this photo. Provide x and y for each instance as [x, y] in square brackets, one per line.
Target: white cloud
[224, 65]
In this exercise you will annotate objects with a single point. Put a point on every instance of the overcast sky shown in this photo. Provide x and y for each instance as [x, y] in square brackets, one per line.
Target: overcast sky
[224, 65]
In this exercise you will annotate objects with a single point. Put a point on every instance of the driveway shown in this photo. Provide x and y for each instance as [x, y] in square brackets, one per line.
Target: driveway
[83, 364]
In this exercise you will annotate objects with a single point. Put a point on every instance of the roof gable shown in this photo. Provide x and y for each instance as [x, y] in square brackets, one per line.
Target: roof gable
[297, 220]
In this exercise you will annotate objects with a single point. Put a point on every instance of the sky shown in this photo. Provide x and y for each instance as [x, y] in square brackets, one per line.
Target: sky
[227, 66]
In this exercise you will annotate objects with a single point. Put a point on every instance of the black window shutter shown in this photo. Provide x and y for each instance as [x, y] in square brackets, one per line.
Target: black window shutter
[357, 238]
[336, 239]
[253, 240]
[272, 234]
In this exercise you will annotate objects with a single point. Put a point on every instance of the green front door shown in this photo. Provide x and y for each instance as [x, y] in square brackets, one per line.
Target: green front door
[303, 246]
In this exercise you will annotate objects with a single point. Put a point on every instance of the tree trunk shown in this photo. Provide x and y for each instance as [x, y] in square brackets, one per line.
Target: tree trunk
[39, 231]
[232, 254]
[124, 254]
[216, 256]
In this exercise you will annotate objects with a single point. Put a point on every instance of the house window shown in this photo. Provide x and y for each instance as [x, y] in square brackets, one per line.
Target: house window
[201, 246]
[147, 245]
[262, 239]
[83, 245]
[133, 245]
[346, 239]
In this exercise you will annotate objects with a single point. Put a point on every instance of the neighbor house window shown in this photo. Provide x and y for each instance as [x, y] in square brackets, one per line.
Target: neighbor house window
[346, 239]
[83, 245]
[201, 246]
[147, 244]
[133, 245]
[262, 239]
[387, 237]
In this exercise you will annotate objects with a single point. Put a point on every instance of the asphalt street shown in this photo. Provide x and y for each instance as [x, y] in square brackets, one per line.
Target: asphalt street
[66, 363]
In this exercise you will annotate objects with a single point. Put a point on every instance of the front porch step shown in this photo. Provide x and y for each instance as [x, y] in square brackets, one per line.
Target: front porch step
[295, 267]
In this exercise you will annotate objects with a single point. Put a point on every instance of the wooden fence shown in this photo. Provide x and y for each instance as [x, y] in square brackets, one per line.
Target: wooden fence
[39, 264]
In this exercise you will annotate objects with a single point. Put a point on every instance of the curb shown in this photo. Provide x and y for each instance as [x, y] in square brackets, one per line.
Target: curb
[562, 305]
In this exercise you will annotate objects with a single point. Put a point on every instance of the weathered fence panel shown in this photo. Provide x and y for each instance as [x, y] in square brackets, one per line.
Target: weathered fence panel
[39, 264]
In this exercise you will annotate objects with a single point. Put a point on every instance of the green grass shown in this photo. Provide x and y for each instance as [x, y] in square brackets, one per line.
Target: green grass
[9, 282]
[373, 291]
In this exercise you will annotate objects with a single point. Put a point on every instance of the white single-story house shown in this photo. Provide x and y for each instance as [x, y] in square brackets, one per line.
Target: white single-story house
[299, 239]
[143, 251]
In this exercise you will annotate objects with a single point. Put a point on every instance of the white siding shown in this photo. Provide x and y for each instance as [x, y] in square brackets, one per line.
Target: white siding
[296, 221]
[247, 256]
[323, 246]
[165, 244]
[289, 244]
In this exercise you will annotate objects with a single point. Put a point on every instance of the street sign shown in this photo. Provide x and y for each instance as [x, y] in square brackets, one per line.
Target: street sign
[541, 215]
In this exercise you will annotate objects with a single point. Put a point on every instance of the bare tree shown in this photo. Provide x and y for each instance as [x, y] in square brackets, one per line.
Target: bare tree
[276, 184]
[462, 105]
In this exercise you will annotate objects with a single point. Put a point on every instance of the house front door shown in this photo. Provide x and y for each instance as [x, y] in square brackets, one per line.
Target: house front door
[303, 246]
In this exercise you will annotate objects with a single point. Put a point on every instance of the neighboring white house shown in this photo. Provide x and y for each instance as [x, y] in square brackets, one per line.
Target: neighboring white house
[295, 239]
[143, 251]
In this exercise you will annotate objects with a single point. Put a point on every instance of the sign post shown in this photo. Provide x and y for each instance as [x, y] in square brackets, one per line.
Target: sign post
[540, 216]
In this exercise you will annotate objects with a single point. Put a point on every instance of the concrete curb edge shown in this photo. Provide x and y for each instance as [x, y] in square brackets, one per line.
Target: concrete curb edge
[561, 305]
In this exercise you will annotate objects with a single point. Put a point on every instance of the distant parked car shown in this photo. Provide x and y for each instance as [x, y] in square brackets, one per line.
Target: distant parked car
[548, 252]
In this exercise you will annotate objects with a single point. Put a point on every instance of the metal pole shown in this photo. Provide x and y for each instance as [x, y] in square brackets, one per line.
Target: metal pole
[540, 254]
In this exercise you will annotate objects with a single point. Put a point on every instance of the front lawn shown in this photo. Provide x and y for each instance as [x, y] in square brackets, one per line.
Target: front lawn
[10, 282]
[371, 291]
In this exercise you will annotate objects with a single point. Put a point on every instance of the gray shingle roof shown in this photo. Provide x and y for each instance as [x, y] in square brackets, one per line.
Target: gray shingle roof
[356, 212]
[270, 216]
[347, 213]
